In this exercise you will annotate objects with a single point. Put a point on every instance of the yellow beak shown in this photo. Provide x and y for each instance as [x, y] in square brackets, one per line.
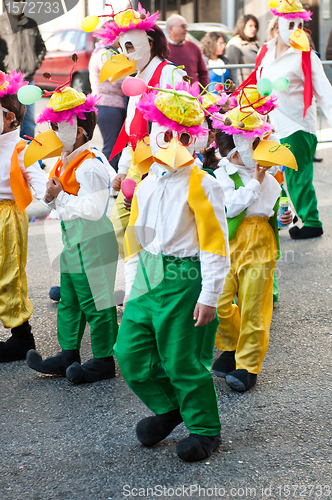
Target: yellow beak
[175, 156]
[299, 40]
[142, 156]
[45, 145]
[271, 153]
[118, 66]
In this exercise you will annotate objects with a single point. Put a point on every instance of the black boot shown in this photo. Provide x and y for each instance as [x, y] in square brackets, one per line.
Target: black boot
[241, 380]
[17, 346]
[224, 364]
[54, 365]
[152, 430]
[305, 232]
[197, 447]
[91, 371]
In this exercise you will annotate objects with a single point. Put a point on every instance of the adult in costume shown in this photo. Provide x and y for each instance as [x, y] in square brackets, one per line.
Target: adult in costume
[79, 190]
[15, 306]
[145, 47]
[165, 342]
[289, 55]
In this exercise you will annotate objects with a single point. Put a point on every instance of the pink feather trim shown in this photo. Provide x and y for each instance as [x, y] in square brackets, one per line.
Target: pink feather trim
[305, 15]
[151, 113]
[228, 129]
[109, 33]
[15, 80]
[147, 107]
[48, 115]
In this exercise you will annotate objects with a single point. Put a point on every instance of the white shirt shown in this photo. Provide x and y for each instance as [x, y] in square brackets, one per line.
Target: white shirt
[288, 117]
[146, 75]
[33, 174]
[258, 199]
[166, 225]
[94, 176]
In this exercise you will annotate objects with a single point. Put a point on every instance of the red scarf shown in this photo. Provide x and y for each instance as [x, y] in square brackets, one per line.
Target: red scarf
[138, 126]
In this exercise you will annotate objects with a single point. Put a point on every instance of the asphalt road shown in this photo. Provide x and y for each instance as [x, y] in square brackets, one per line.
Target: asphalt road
[65, 442]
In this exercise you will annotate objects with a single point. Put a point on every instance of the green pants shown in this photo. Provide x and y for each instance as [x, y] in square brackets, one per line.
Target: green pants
[88, 266]
[163, 357]
[299, 182]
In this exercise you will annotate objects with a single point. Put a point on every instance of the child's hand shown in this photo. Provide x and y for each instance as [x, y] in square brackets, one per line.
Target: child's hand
[53, 188]
[204, 314]
[259, 174]
[127, 203]
[117, 181]
[287, 218]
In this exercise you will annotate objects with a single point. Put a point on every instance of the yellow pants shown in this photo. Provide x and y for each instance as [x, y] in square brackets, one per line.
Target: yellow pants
[15, 307]
[245, 327]
[120, 215]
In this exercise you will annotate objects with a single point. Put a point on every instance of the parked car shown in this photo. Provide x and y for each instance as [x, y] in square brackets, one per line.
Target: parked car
[196, 31]
[61, 45]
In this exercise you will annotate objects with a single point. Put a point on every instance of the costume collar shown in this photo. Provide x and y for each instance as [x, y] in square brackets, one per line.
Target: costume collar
[160, 171]
[68, 158]
[272, 45]
[10, 136]
[149, 69]
[231, 168]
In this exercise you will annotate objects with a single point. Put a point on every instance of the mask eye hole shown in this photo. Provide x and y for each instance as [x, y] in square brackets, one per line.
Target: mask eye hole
[255, 143]
[129, 47]
[168, 136]
[55, 127]
[163, 139]
[291, 25]
[300, 26]
[185, 139]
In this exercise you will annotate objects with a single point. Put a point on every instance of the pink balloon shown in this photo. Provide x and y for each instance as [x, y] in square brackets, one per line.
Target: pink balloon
[128, 187]
[133, 86]
[2, 78]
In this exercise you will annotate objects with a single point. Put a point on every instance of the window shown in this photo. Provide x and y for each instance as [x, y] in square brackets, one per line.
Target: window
[81, 44]
[53, 42]
[68, 42]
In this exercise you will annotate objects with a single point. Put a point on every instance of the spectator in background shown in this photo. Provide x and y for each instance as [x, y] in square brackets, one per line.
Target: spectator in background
[213, 47]
[112, 105]
[184, 52]
[21, 47]
[243, 46]
[272, 29]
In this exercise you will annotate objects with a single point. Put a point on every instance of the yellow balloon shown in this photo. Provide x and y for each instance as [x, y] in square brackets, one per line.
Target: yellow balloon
[273, 4]
[90, 23]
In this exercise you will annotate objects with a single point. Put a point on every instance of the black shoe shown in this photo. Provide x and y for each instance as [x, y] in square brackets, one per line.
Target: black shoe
[16, 347]
[197, 447]
[305, 232]
[91, 371]
[241, 380]
[54, 365]
[317, 160]
[152, 430]
[224, 364]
